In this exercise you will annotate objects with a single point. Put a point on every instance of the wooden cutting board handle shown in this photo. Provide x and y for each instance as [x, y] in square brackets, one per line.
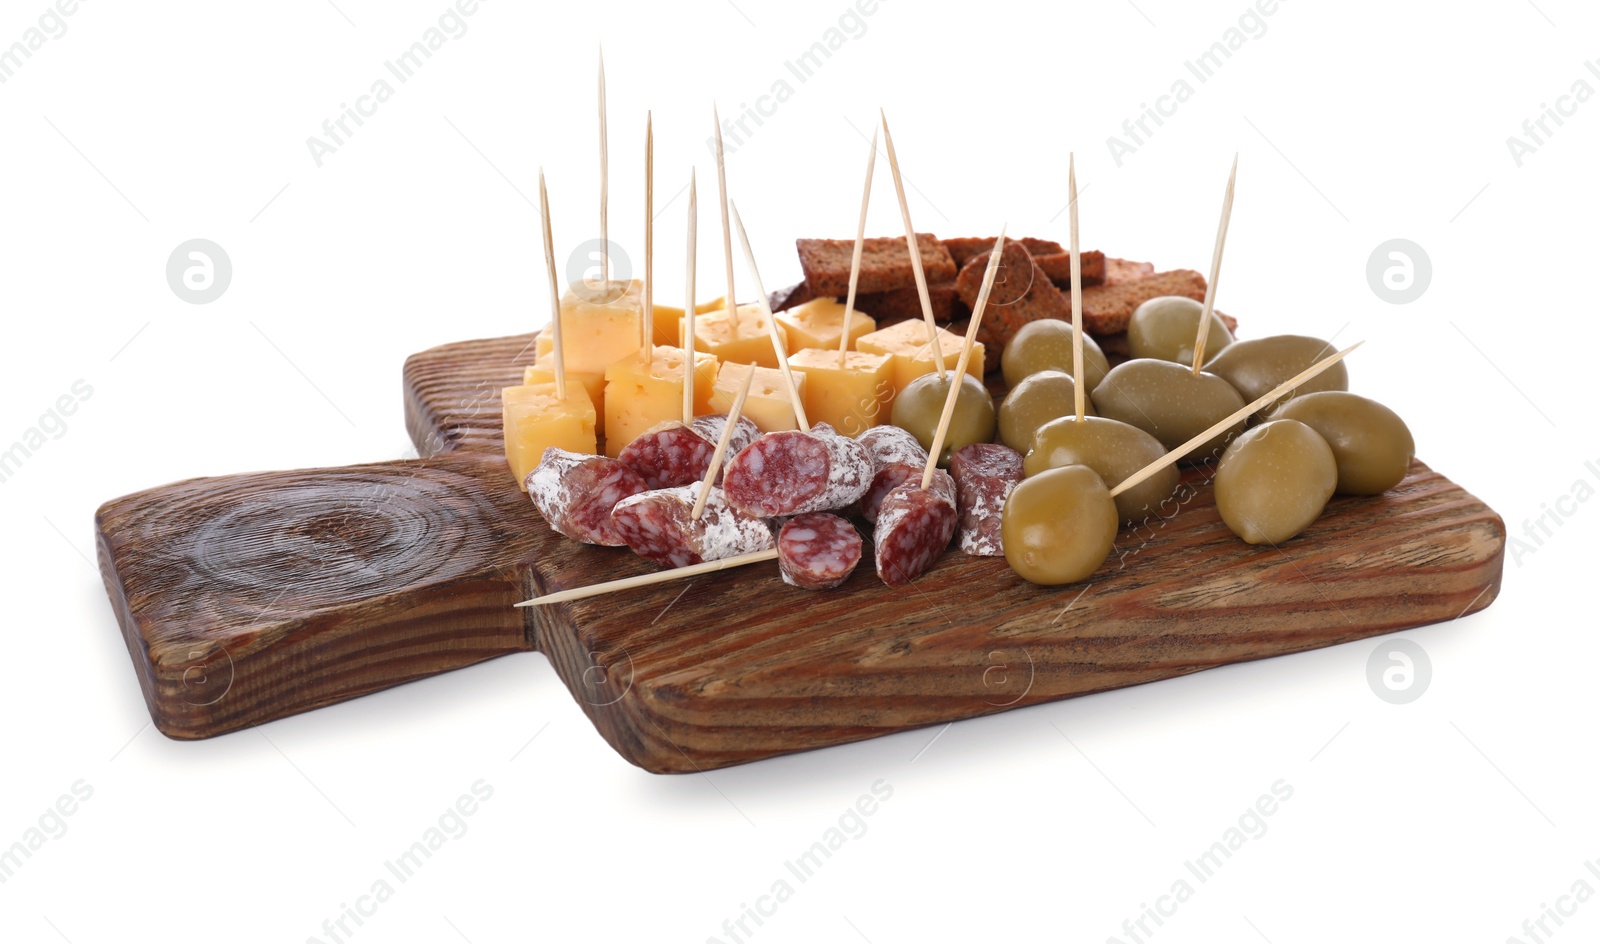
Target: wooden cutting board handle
[245, 598]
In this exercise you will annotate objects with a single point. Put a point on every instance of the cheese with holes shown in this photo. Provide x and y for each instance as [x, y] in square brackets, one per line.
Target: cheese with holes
[599, 325]
[639, 395]
[851, 397]
[816, 324]
[536, 419]
[543, 371]
[746, 341]
[907, 342]
[668, 321]
[767, 405]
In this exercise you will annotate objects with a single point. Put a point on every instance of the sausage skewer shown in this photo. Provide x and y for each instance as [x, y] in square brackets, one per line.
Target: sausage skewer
[916, 522]
[722, 443]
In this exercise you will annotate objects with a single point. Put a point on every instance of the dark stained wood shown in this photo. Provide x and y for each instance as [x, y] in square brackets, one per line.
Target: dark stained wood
[738, 666]
[452, 393]
[246, 598]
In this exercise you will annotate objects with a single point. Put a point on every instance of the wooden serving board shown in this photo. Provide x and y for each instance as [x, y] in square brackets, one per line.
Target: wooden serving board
[251, 597]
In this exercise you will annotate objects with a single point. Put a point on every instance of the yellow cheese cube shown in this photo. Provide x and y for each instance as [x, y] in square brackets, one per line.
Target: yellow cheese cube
[907, 343]
[767, 405]
[849, 397]
[543, 371]
[668, 321]
[536, 420]
[714, 333]
[596, 332]
[639, 395]
[816, 324]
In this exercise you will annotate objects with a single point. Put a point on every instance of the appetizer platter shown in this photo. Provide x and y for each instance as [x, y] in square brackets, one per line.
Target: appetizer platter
[935, 479]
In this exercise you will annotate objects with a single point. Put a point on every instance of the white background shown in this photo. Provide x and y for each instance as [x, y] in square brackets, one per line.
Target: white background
[1456, 817]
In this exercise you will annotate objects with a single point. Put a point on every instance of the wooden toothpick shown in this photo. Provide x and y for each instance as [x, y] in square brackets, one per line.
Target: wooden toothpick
[722, 442]
[645, 580]
[605, 240]
[855, 257]
[772, 325]
[729, 303]
[1216, 267]
[688, 311]
[556, 350]
[913, 249]
[961, 363]
[1173, 455]
[1078, 383]
[649, 325]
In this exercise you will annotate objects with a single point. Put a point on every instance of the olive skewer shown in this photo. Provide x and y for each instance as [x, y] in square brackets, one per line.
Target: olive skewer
[1204, 329]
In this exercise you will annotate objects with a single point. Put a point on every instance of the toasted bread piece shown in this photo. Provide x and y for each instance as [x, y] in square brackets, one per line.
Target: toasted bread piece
[963, 248]
[1126, 270]
[1051, 256]
[1022, 293]
[1107, 308]
[786, 298]
[1058, 265]
[885, 264]
[902, 304]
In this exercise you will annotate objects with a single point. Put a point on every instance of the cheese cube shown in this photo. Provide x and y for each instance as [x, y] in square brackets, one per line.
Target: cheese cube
[543, 371]
[907, 343]
[816, 324]
[536, 420]
[851, 397]
[639, 395]
[767, 405]
[668, 321]
[751, 344]
[596, 333]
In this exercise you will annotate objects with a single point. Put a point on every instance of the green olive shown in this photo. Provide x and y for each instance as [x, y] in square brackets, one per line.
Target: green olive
[1058, 526]
[918, 407]
[1274, 481]
[1370, 443]
[1114, 451]
[1046, 344]
[1038, 399]
[1170, 402]
[1254, 367]
[1165, 328]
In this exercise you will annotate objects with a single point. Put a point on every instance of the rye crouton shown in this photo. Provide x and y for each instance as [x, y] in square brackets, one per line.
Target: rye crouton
[1022, 293]
[885, 264]
[1107, 308]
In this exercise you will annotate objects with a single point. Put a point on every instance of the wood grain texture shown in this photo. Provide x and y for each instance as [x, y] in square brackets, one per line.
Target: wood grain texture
[742, 667]
[316, 592]
[452, 393]
[246, 598]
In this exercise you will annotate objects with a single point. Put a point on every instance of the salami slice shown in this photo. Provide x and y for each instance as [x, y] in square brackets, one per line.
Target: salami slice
[896, 456]
[668, 455]
[914, 527]
[576, 493]
[791, 473]
[985, 474]
[710, 426]
[657, 526]
[818, 551]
